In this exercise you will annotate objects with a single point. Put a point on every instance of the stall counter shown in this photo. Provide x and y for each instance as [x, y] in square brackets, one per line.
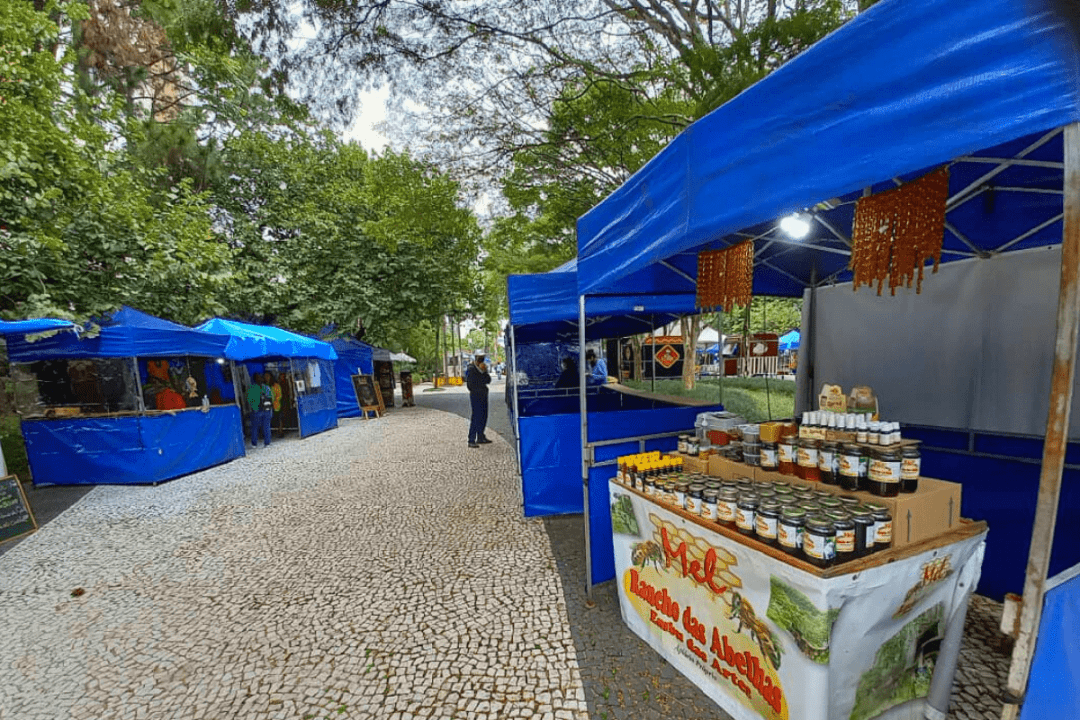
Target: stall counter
[766, 635]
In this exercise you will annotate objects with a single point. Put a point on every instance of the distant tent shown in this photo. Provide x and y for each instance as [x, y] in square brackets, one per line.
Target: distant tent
[790, 341]
[99, 424]
[354, 358]
[311, 363]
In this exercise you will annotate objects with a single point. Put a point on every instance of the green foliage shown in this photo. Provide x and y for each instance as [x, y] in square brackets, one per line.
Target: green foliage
[326, 235]
[791, 610]
[899, 673]
[83, 231]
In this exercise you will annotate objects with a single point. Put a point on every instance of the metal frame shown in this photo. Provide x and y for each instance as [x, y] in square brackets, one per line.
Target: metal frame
[517, 413]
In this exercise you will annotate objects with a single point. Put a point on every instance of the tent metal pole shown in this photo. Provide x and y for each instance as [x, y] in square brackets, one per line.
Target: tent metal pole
[138, 386]
[583, 408]
[652, 338]
[517, 419]
[1057, 434]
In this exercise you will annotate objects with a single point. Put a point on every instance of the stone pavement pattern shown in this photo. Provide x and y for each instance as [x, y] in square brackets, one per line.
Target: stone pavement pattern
[625, 679]
[381, 570]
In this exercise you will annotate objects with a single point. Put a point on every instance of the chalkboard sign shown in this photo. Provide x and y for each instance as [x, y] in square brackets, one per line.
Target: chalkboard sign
[368, 396]
[16, 519]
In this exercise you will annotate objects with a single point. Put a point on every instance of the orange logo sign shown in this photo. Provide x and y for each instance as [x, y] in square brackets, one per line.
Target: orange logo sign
[667, 356]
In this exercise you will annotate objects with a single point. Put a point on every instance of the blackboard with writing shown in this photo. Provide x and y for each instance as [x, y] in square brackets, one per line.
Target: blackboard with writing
[16, 519]
[368, 396]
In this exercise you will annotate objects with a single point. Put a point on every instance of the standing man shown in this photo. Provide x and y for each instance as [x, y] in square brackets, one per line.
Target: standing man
[598, 374]
[261, 402]
[477, 379]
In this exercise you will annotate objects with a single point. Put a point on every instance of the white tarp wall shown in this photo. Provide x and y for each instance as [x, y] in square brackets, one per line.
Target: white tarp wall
[972, 351]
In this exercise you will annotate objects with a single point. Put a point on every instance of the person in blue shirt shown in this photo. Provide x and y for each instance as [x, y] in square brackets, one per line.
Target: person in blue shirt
[598, 373]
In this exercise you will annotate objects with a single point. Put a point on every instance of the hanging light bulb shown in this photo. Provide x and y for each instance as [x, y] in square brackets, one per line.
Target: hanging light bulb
[795, 226]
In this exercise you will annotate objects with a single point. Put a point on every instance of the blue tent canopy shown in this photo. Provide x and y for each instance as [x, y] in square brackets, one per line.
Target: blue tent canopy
[901, 89]
[124, 333]
[790, 341]
[353, 358]
[544, 308]
[34, 325]
[250, 342]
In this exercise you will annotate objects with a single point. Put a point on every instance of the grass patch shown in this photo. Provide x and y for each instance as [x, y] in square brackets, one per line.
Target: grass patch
[756, 399]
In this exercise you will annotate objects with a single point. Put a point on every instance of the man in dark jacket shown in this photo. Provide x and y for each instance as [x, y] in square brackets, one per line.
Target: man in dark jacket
[477, 379]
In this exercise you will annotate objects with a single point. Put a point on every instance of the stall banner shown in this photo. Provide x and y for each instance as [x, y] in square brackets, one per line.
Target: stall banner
[764, 639]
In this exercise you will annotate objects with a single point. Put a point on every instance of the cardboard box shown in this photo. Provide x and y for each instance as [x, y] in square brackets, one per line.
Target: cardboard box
[693, 464]
[726, 469]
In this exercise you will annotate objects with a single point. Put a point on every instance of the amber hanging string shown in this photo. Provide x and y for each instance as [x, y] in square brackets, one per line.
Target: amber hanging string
[725, 277]
[897, 231]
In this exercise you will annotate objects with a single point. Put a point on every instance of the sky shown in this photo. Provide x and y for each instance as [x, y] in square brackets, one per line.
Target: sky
[372, 111]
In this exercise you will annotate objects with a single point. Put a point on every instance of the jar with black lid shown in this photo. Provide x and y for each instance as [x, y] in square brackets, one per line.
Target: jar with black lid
[693, 498]
[745, 512]
[828, 462]
[767, 521]
[863, 517]
[819, 541]
[650, 487]
[844, 525]
[789, 531]
[708, 504]
[848, 466]
[883, 521]
[884, 477]
[910, 468]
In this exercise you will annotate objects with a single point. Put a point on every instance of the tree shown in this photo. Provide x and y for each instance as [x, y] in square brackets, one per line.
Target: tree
[327, 236]
[82, 230]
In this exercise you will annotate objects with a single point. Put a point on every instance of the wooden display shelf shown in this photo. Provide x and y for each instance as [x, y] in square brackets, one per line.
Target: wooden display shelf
[966, 529]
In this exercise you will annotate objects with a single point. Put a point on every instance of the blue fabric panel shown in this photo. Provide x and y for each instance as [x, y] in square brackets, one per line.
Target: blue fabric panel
[34, 325]
[934, 80]
[247, 341]
[134, 450]
[551, 464]
[1003, 493]
[318, 411]
[353, 358]
[124, 333]
[609, 426]
[1053, 690]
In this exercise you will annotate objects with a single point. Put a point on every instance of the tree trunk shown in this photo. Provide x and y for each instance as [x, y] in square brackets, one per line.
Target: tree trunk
[637, 372]
[689, 327]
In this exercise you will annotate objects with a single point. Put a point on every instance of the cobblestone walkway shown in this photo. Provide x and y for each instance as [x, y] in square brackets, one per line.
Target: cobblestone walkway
[381, 570]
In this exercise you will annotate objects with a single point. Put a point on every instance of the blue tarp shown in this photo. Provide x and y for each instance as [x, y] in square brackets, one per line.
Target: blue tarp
[900, 89]
[124, 333]
[131, 450]
[544, 307]
[251, 342]
[318, 410]
[35, 325]
[1053, 689]
[790, 341]
[353, 358]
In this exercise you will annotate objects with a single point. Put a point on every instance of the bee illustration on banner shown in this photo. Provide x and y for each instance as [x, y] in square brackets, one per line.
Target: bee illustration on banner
[742, 610]
[647, 552]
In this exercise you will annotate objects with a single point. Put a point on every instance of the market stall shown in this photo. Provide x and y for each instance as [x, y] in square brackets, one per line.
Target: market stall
[130, 399]
[767, 633]
[308, 366]
[543, 332]
[971, 109]
[353, 358]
